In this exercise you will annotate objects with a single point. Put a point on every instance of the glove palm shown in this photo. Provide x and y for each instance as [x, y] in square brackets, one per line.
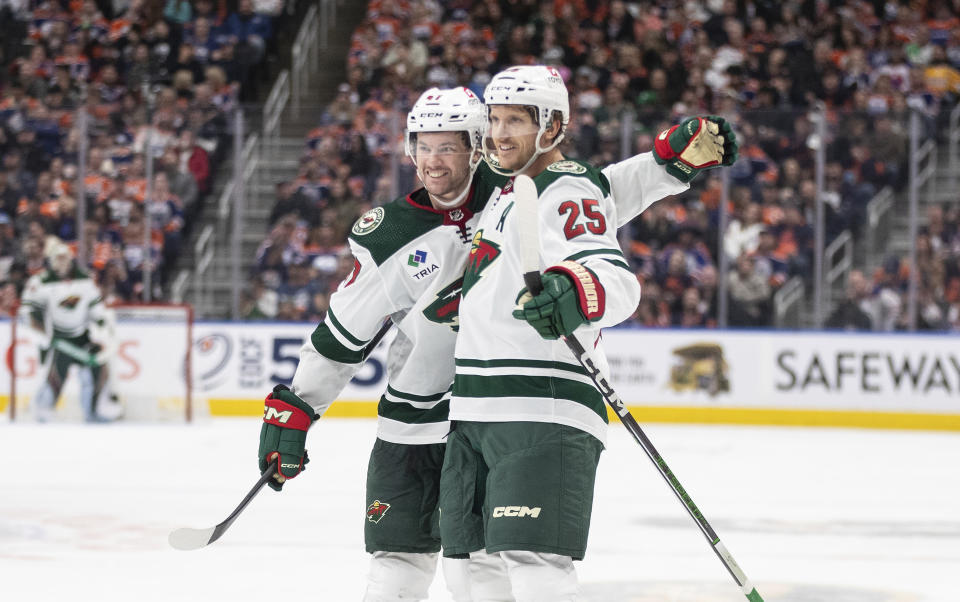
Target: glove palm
[697, 144]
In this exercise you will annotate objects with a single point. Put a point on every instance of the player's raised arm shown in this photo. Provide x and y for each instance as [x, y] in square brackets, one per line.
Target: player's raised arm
[679, 155]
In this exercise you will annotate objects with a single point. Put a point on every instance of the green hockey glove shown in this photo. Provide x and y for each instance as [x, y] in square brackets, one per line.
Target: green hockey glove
[286, 420]
[571, 296]
[698, 143]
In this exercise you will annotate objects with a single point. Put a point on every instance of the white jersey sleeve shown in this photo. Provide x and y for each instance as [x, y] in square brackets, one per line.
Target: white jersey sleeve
[334, 352]
[578, 223]
[637, 183]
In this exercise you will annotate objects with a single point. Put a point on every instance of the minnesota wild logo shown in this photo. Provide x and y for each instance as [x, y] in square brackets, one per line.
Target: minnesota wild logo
[445, 309]
[70, 302]
[376, 510]
[482, 254]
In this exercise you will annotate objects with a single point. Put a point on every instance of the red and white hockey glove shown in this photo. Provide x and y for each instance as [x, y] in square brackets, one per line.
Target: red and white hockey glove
[698, 143]
[286, 420]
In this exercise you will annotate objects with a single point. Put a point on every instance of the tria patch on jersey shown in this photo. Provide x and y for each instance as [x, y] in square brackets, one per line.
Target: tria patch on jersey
[567, 167]
[368, 222]
[420, 263]
[376, 510]
[482, 254]
[445, 309]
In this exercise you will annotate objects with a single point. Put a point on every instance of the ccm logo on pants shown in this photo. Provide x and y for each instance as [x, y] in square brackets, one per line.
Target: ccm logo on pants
[519, 511]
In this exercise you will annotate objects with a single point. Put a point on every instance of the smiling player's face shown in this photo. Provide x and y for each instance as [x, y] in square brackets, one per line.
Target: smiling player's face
[514, 135]
[443, 164]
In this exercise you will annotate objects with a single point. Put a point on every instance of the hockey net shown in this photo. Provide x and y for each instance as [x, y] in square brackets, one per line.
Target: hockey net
[150, 367]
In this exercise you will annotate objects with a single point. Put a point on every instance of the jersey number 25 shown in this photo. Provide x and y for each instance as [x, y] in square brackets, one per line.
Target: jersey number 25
[594, 221]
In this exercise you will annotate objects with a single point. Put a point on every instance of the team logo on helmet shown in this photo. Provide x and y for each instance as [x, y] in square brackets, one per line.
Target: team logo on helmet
[376, 510]
[368, 222]
[482, 254]
[567, 167]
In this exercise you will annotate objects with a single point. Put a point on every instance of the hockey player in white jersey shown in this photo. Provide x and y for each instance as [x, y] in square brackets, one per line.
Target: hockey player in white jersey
[63, 303]
[528, 424]
[409, 262]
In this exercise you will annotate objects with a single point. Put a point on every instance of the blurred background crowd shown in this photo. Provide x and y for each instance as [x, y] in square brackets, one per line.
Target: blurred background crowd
[156, 82]
[632, 69]
[643, 67]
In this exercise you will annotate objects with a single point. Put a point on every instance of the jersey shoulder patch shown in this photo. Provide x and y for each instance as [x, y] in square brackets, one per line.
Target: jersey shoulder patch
[571, 168]
[368, 222]
[384, 230]
[567, 167]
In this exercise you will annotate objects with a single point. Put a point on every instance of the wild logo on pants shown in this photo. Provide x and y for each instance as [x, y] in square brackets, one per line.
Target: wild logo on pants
[376, 510]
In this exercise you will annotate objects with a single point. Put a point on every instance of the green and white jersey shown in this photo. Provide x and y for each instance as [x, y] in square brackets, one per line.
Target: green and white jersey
[65, 306]
[409, 261]
[409, 265]
[504, 370]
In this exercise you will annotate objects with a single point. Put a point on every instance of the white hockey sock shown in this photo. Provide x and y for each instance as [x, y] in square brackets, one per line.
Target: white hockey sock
[482, 578]
[540, 577]
[400, 577]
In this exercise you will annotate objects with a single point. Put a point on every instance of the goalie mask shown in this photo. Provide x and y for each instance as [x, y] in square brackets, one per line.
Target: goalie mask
[60, 259]
[536, 86]
[449, 110]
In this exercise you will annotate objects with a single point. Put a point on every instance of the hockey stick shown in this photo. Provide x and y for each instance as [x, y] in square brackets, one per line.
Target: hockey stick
[526, 193]
[186, 538]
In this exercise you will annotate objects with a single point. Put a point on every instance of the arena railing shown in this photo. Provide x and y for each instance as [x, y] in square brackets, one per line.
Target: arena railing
[305, 56]
[786, 303]
[838, 261]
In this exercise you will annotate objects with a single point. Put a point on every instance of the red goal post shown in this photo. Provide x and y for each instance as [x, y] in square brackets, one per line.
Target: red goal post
[150, 366]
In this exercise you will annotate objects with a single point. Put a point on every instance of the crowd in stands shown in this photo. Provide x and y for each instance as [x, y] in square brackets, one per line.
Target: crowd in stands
[153, 78]
[633, 69]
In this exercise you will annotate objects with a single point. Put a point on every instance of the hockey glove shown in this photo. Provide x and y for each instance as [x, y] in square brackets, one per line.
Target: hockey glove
[286, 419]
[571, 296]
[698, 143]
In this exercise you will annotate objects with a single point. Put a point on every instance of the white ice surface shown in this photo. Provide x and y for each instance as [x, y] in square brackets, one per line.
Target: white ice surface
[809, 514]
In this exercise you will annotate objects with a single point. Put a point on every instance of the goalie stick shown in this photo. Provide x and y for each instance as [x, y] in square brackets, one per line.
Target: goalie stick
[528, 216]
[187, 539]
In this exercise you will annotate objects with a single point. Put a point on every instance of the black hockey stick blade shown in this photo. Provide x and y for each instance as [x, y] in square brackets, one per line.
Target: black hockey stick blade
[193, 539]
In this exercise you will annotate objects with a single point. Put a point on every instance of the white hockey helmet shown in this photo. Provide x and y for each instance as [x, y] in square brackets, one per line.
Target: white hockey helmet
[537, 86]
[59, 257]
[449, 110]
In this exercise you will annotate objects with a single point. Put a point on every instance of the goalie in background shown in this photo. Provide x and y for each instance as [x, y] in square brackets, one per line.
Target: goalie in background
[63, 303]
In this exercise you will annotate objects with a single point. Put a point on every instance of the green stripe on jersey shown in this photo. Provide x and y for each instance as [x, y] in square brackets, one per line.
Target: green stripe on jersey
[511, 363]
[619, 264]
[411, 397]
[329, 347]
[408, 414]
[343, 331]
[582, 254]
[519, 385]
